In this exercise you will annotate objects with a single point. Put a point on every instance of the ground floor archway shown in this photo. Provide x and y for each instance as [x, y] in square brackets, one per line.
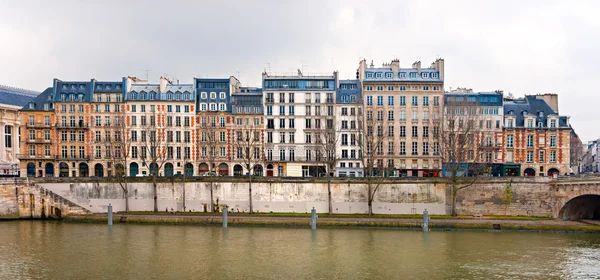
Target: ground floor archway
[63, 169]
[49, 169]
[238, 170]
[269, 170]
[154, 169]
[223, 169]
[258, 170]
[99, 170]
[188, 169]
[584, 207]
[168, 169]
[203, 168]
[31, 169]
[553, 171]
[84, 170]
[133, 169]
[529, 172]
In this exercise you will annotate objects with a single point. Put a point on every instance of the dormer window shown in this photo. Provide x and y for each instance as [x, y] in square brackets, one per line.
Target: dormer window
[31, 106]
[369, 75]
[425, 75]
[552, 123]
[118, 87]
[434, 75]
[46, 106]
[378, 75]
[413, 75]
[389, 75]
[540, 114]
[401, 75]
[530, 123]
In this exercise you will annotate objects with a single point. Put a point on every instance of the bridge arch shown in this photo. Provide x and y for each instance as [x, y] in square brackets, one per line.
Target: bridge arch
[583, 207]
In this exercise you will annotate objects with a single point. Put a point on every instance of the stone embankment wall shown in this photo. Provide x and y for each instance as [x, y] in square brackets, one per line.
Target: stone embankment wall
[531, 196]
[267, 196]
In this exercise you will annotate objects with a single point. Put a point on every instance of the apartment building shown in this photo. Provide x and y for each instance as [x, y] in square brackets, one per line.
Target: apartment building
[349, 129]
[213, 119]
[247, 129]
[39, 143]
[402, 105]
[536, 137]
[160, 118]
[72, 104]
[107, 120]
[298, 110]
[476, 118]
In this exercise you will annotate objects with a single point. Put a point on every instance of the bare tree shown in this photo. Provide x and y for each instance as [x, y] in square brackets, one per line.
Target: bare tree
[118, 152]
[153, 152]
[372, 155]
[327, 142]
[465, 150]
[248, 150]
[208, 144]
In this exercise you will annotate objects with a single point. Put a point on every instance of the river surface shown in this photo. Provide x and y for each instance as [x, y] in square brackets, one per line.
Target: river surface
[53, 250]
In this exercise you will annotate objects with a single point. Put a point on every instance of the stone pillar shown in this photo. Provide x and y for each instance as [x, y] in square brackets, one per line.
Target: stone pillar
[2, 144]
[17, 144]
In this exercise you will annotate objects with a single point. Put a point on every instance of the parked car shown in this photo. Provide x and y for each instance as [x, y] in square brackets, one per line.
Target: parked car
[210, 174]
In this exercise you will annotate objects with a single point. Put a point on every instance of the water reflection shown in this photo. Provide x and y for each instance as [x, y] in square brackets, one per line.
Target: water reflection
[76, 251]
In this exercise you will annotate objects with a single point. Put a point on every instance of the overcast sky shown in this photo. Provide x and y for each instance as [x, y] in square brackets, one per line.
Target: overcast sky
[523, 47]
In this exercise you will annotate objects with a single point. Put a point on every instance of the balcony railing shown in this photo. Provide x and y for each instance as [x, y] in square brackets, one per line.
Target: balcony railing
[329, 100]
[268, 100]
[36, 156]
[38, 125]
[60, 157]
[68, 125]
[37, 140]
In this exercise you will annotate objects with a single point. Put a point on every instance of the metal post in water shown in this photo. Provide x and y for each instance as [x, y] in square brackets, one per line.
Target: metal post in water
[313, 219]
[225, 216]
[110, 222]
[425, 221]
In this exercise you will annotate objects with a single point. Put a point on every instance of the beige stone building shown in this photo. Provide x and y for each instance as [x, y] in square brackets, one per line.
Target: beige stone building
[11, 101]
[403, 106]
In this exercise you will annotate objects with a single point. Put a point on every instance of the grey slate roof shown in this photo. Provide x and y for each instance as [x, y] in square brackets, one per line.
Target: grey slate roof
[16, 96]
[38, 102]
[533, 106]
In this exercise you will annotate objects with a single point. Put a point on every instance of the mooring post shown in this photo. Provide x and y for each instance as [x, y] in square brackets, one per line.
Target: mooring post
[425, 221]
[110, 215]
[225, 216]
[313, 219]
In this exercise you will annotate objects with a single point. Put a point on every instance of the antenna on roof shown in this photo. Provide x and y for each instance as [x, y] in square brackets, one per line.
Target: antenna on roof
[302, 65]
[147, 71]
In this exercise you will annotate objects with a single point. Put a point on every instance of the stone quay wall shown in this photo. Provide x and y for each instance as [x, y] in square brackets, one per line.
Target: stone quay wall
[531, 196]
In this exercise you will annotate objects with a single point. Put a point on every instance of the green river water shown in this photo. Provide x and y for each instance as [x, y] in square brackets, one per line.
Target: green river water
[54, 250]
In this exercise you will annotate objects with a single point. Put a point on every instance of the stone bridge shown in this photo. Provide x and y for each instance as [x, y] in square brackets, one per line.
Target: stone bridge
[577, 199]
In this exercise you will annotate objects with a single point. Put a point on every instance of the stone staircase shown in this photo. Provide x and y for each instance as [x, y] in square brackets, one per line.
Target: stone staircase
[57, 205]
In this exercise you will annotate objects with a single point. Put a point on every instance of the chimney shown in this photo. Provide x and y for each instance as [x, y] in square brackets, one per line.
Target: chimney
[417, 65]
[438, 64]
[362, 68]
[163, 83]
[395, 67]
